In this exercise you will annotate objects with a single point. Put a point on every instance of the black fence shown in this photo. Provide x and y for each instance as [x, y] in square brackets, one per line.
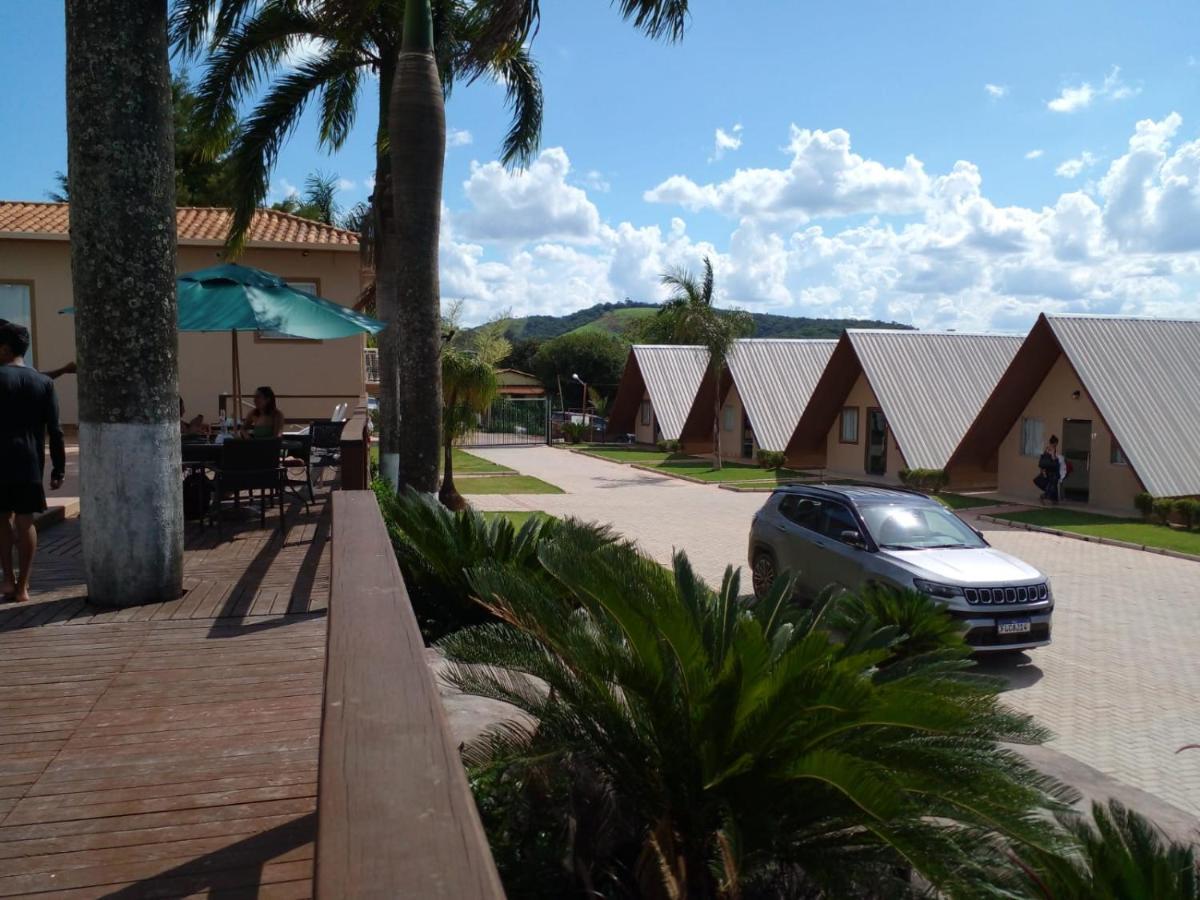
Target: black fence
[511, 422]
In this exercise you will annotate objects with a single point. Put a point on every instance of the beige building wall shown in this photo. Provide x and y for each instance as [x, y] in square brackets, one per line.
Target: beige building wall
[851, 459]
[732, 418]
[644, 424]
[1111, 486]
[329, 368]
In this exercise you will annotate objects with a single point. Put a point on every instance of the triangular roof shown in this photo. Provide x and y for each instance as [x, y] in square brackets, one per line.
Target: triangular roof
[930, 386]
[670, 374]
[195, 225]
[1142, 375]
[775, 378]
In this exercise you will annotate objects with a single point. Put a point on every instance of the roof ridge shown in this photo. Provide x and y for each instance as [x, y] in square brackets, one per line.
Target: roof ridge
[1115, 317]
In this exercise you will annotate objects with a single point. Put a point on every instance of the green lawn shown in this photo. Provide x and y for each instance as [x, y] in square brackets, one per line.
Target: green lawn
[962, 501]
[517, 516]
[1135, 531]
[464, 463]
[505, 484]
[625, 454]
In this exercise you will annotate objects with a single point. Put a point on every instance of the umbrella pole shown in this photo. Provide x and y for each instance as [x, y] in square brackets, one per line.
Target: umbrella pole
[237, 381]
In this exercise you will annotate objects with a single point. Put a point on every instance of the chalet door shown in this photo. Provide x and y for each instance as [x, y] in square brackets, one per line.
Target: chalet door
[1077, 451]
[876, 463]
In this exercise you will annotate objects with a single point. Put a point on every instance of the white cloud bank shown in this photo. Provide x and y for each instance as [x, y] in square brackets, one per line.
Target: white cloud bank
[1077, 97]
[833, 233]
[1073, 168]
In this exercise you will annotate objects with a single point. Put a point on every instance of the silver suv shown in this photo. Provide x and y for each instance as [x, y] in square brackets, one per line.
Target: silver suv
[846, 537]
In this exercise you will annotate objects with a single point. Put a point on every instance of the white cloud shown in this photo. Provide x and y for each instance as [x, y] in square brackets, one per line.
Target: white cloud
[1073, 98]
[1035, 154]
[536, 203]
[952, 258]
[996, 91]
[726, 141]
[595, 180]
[345, 184]
[1073, 168]
[824, 178]
[458, 137]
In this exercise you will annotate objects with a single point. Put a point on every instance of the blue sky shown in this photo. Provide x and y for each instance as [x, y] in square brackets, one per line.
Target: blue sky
[866, 169]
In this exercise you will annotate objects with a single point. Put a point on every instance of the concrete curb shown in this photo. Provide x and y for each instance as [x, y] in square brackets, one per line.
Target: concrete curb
[56, 515]
[1090, 538]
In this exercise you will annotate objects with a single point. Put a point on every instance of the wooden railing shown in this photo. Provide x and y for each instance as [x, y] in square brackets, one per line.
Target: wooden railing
[395, 815]
[356, 450]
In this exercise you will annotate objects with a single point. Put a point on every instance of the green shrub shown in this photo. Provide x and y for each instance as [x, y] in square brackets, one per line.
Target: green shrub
[772, 459]
[1163, 507]
[715, 747]
[1144, 503]
[574, 432]
[928, 480]
[668, 446]
[1188, 511]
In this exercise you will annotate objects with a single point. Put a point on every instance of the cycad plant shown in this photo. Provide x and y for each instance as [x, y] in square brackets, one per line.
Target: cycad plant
[691, 318]
[1119, 855]
[742, 747]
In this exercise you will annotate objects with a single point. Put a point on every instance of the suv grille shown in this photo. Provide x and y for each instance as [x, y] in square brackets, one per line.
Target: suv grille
[1030, 593]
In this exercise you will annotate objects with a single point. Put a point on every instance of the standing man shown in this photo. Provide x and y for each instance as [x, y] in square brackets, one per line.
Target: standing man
[28, 411]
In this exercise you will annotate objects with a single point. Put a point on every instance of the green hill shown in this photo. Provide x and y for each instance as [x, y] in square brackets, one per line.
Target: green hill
[618, 318]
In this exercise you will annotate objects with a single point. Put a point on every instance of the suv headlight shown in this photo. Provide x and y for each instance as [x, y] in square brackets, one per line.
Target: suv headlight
[933, 589]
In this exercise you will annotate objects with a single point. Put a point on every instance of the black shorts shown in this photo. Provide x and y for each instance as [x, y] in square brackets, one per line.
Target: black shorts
[24, 498]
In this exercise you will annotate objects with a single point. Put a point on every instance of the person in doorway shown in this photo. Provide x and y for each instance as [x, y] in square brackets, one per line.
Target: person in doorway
[1053, 470]
[28, 414]
[266, 420]
[68, 369]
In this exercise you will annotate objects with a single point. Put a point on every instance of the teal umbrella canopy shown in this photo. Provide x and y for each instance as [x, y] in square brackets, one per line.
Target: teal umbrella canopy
[239, 298]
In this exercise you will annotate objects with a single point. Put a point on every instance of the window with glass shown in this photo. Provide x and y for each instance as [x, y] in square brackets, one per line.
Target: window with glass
[728, 418]
[897, 527]
[645, 412]
[802, 511]
[16, 305]
[849, 425]
[1032, 434]
[1116, 455]
[837, 520]
[309, 287]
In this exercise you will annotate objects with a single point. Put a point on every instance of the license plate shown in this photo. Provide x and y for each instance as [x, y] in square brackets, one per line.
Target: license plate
[1014, 626]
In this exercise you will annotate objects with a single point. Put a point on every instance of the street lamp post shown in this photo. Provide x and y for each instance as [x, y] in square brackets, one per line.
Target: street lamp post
[583, 400]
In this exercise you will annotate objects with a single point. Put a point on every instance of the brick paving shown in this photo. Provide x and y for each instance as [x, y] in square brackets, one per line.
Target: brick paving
[1120, 685]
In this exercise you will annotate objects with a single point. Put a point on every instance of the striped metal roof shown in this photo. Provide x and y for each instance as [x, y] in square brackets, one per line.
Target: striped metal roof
[931, 385]
[1143, 375]
[775, 379]
[672, 375]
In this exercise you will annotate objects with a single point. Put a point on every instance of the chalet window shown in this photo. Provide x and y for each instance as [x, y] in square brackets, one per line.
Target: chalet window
[1032, 434]
[1116, 455]
[728, 418]
[646, 414]
[848, 430]
[16, 305]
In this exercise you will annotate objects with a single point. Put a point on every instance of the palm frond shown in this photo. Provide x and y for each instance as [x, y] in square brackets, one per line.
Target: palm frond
[339, 107]
[518, 72]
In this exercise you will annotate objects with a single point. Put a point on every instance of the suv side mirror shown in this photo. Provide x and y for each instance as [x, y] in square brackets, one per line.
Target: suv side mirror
[853, 538]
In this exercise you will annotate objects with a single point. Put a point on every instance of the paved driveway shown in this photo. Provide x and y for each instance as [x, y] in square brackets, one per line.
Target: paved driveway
[1120, 686]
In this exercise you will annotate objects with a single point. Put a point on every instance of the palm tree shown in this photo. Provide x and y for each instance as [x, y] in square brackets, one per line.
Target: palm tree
[318, 202]
[469, 386]
[248, 43]
[733, 747]
[122, 193]
[693, 319]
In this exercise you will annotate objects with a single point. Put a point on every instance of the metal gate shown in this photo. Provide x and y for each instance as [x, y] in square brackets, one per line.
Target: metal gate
[511, 422]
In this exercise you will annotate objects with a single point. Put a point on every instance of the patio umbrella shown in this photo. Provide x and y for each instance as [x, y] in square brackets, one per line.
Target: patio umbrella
[237, 298]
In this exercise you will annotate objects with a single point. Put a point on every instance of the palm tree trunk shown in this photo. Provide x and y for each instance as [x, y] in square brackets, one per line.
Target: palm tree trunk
[717, 423]
[120, 145]
[385, 285]
[449, 495]
[417, 128]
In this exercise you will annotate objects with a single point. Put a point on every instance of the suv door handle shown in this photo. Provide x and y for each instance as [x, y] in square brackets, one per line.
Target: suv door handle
[779, 528]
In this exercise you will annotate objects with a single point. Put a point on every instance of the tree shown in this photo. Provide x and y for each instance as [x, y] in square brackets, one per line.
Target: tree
[700, 747]
[120, 152]
[597, 357]
[248, 43]
[318, 202]
[469, 386]
[690, 317]
[201, 176]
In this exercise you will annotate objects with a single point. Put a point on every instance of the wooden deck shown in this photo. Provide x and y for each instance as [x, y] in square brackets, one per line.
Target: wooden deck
[167, 750]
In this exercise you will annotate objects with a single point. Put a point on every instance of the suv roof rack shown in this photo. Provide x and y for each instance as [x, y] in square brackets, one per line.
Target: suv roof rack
[839, 486]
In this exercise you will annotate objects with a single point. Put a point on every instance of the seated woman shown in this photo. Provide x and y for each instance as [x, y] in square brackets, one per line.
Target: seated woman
[266, 420]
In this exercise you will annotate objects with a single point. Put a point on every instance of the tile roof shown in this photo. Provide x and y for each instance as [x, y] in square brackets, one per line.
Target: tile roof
[775, 379]
[196, 224]
[1142, 375]
[931, 385]
[672, 375]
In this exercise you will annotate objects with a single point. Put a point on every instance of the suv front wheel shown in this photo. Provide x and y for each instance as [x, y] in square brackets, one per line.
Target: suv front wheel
[762, 573]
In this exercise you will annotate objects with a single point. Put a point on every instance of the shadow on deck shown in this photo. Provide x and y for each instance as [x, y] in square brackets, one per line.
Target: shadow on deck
[168, 749]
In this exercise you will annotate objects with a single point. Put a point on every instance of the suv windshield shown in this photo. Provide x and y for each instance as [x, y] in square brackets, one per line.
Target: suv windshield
[897, 527]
